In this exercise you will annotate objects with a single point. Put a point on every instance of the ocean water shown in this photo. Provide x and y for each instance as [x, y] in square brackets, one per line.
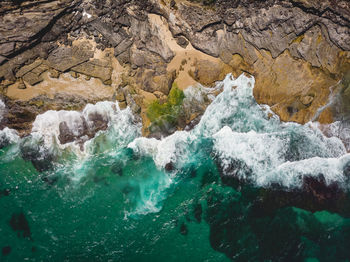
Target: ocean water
[241, 186]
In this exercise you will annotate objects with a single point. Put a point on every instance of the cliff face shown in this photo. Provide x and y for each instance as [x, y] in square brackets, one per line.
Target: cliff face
[297, 50]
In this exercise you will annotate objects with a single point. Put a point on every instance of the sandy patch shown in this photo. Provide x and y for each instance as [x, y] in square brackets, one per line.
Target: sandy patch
[92, 89]
[185, 58]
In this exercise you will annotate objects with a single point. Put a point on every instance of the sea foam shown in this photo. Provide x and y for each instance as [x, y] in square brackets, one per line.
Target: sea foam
[242, 131]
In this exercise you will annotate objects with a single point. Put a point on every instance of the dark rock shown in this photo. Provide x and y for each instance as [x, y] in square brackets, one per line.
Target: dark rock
[5, 192]
[236, 171]
[30, 28]
[98, 123]
[85, 129]
[123, 20]
[181, 41]
[107, 31]
[183, 229]
[66, 135]
[198, 212]
[2, 59]
[292, 110]
[20, 114]
[19, 223]
[50, 180]
[40, 157]
[172, 3]
[6, 250]
[320, 191]
[122, 46]
[169, 167]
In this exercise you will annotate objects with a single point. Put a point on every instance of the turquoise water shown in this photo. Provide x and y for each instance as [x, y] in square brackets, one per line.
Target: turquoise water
[230, 189]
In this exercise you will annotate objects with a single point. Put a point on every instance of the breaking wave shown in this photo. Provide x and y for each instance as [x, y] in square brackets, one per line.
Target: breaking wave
[247, 141]
[250, 142]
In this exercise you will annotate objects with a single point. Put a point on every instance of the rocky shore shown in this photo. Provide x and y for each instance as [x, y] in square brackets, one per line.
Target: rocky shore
[63, 54]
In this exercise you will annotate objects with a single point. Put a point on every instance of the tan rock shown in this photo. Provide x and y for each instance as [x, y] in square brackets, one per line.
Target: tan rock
[7, 82]
[40, 69]
[74, 74]
[122, 105]
[96, 68]
[108, 82]
[158, 94]
[21, 85]
[289, 85]
[54, 73]
[208, 72]
[306, 100]
[64, 58]
[27, 68]
[120, 96]
[32, 78]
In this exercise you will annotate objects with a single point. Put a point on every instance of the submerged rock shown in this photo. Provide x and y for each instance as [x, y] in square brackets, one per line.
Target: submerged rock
[19, 223]
[37, 153]
[321, 192]
[6, 250]
[183, 229]
[169, 167]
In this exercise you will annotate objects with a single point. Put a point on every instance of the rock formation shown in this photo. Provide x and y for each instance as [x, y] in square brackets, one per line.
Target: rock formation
[297, 50]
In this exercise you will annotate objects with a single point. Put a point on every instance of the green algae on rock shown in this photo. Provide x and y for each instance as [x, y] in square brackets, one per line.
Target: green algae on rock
[165, 116]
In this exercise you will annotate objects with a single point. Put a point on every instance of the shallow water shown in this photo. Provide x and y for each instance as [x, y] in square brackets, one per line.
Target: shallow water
[233, 189]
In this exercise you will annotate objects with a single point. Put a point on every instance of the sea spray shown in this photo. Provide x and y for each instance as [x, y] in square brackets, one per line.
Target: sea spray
[242, 131]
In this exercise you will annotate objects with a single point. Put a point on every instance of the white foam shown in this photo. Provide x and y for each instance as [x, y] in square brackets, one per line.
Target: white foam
[251, 148]
[9, 135]
[171, 149]
[243, 131]
[337, 129]
[264, 154]
[290, 174]
[151, 193]
[46, 125]
[236, 108]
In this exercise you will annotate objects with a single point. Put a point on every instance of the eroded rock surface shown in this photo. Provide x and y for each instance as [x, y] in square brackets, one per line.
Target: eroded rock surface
[297, 50]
